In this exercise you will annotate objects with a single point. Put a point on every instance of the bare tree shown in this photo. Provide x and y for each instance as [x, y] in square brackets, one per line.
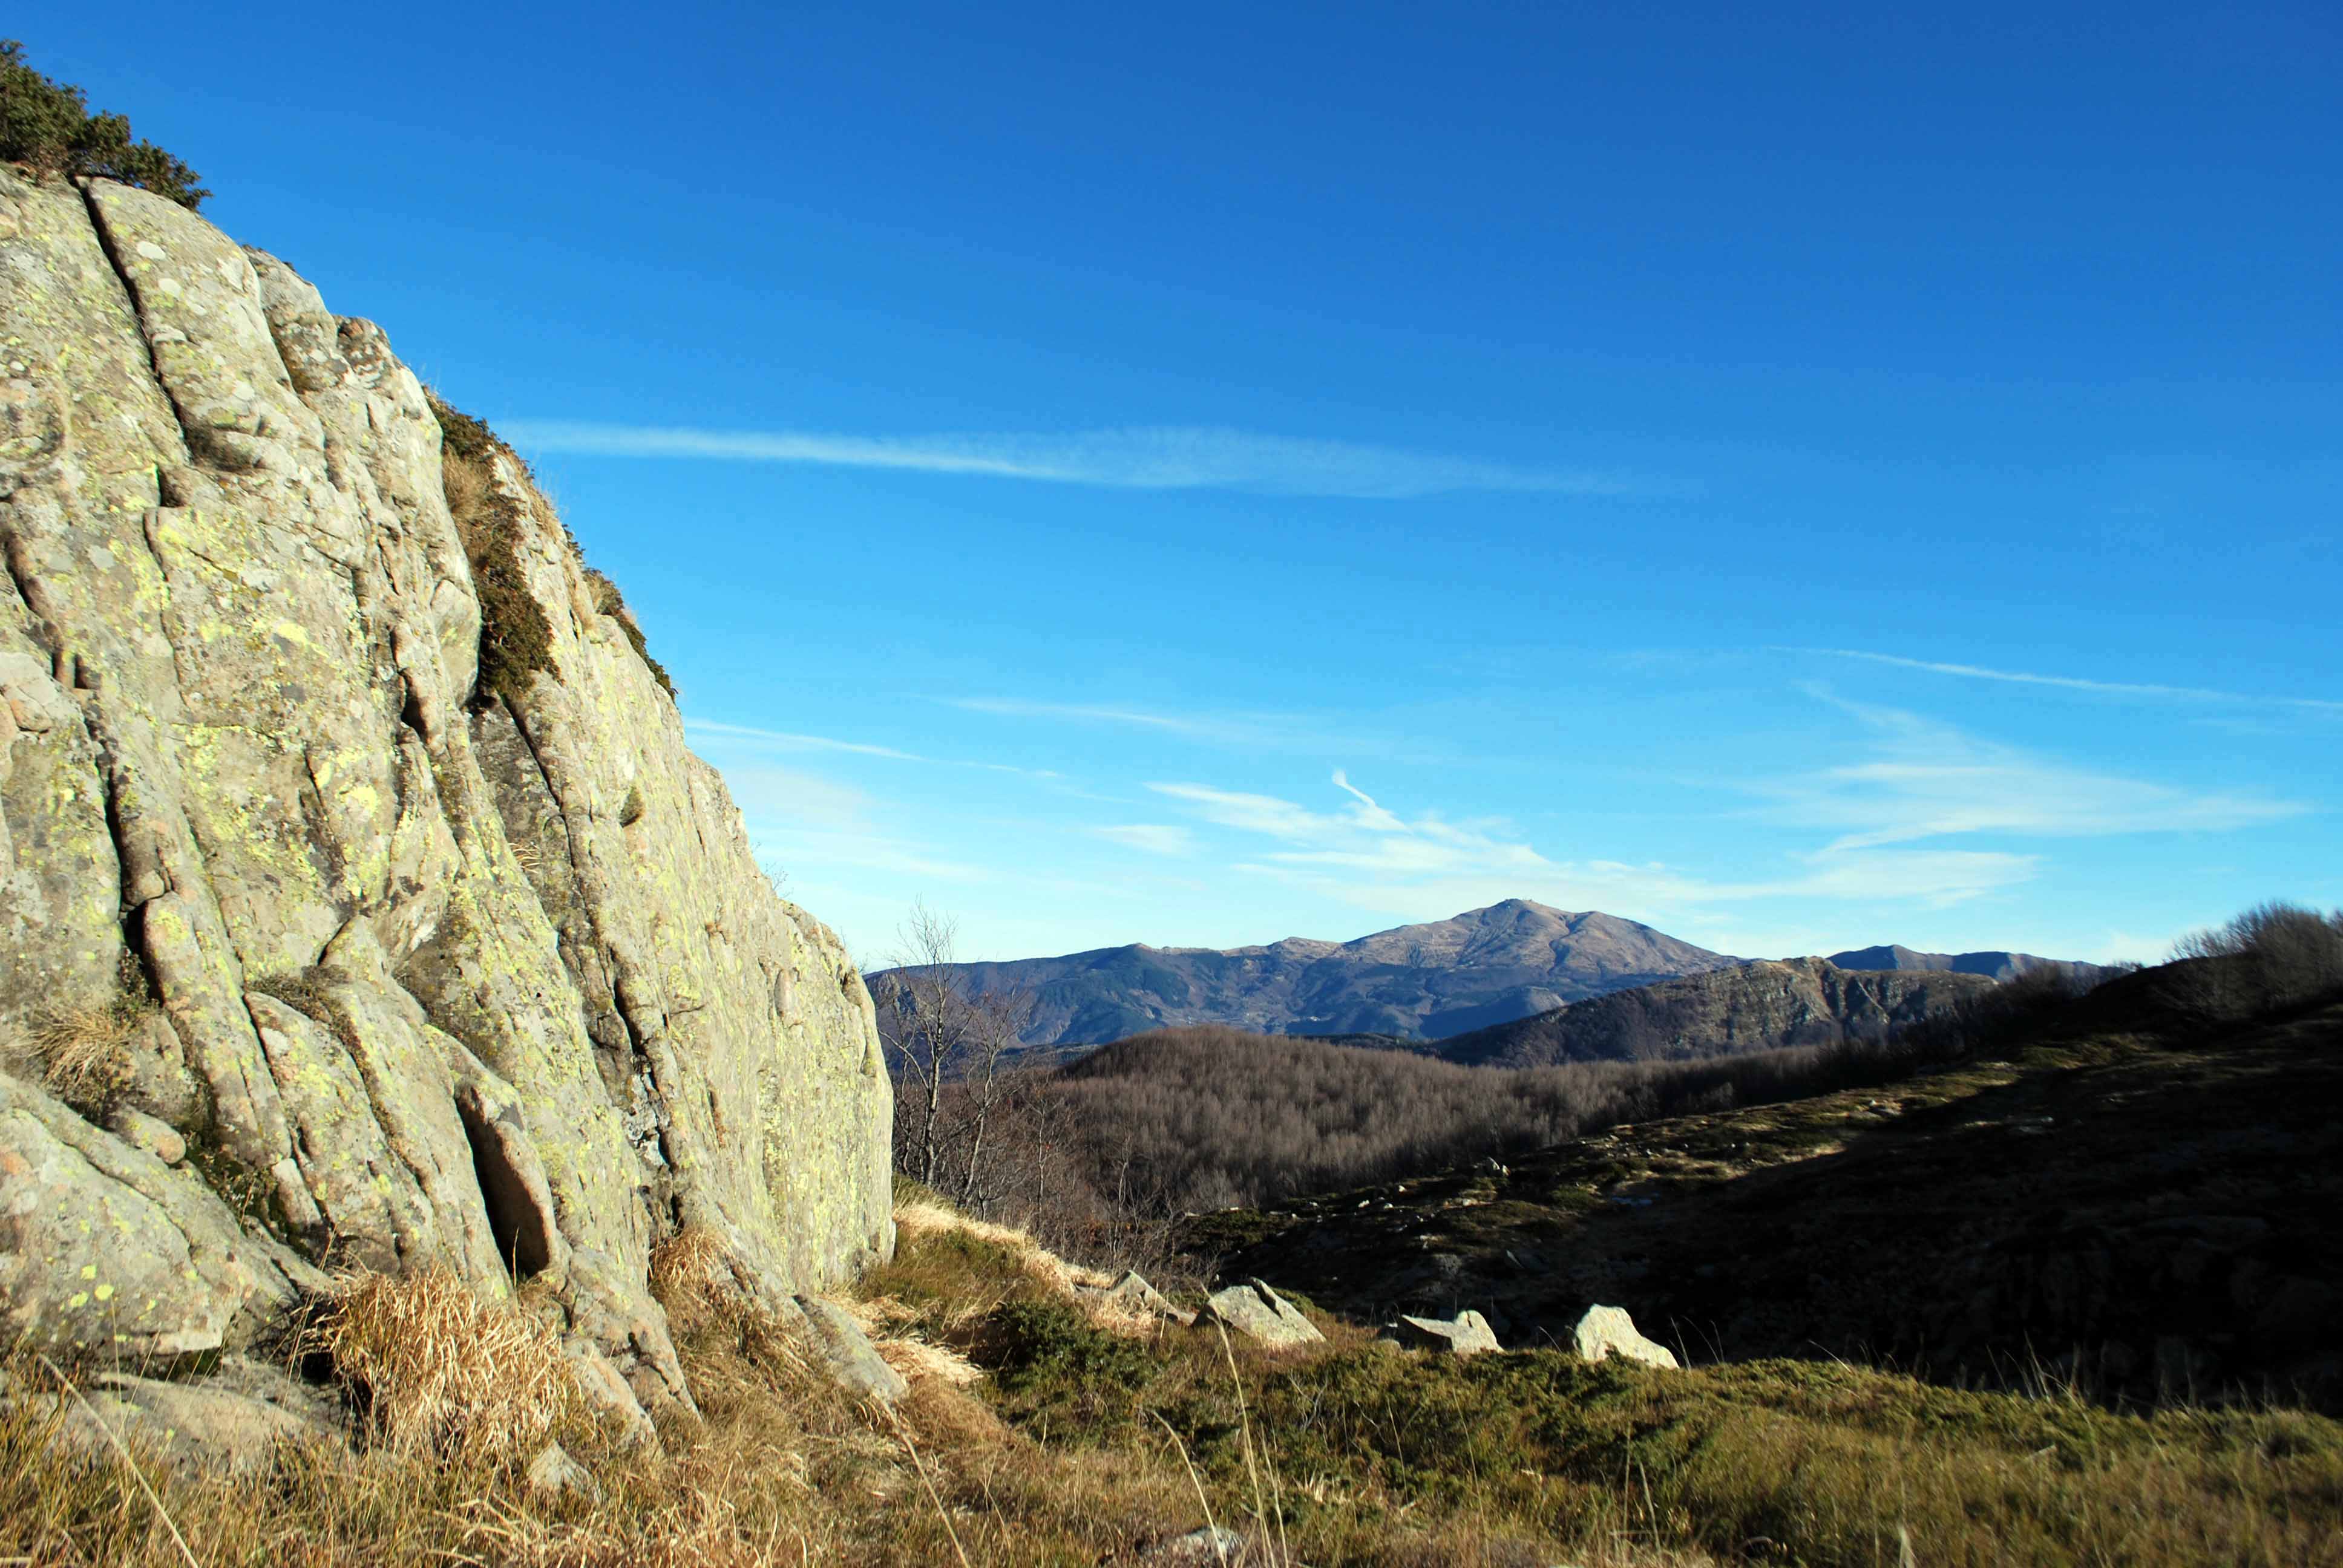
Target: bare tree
[947, 1041]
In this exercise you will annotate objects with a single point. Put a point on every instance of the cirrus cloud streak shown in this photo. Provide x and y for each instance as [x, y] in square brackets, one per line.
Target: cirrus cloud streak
[1143, 457]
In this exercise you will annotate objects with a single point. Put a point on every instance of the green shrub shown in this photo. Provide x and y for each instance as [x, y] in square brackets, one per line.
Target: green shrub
[1043, 1348]
[47, 127]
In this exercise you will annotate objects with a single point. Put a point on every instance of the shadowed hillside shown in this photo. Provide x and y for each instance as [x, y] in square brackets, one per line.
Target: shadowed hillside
[1759, 1006]
[2136, 1199]
[1204, 1118]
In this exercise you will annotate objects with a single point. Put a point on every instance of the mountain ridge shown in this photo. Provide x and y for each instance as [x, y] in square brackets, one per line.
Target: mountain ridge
[1994, 963]
[1429, 981]
[1513, 959]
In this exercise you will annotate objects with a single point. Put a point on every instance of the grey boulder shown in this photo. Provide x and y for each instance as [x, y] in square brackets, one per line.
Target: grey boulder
[847, 1355]
[1465, 1334]
[553, 1476]
[1132, 1295]
[1261, 1315]
[236, 1421]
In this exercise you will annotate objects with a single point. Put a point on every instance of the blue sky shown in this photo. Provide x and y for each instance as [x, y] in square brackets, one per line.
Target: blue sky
[1799, 477]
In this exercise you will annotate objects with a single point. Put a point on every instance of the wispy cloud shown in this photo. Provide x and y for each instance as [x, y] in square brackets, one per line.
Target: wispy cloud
[1155, 837]
[784, 741]
[1914, 781]
[1159, 457]
[1368, 854]
[1101, 713]
[2135, 691]
[1288, 732]
[1929, 780]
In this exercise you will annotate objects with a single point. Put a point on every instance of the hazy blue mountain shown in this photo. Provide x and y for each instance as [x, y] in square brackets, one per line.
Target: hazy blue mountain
[1992, 965]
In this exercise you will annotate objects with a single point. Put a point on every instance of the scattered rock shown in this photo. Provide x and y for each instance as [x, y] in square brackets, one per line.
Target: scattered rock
[1215, 1544]
[226, 1425]
[1465, 1334]
[846, 1353]
[554, 1476]
[1260, 1313]
[1609, 1332]
[1132, 1294]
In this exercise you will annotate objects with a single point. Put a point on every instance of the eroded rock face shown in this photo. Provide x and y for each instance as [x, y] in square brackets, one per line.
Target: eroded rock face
[412, 975]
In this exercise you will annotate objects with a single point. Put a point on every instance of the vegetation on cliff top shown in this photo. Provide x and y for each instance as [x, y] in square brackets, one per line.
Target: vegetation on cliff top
[516, 639]
[47, 125]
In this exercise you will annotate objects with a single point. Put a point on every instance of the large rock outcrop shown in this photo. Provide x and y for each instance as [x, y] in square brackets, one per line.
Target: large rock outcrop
[317, 950]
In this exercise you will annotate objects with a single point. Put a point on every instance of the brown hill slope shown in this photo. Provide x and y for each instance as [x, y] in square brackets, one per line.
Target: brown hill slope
[1751, 1007]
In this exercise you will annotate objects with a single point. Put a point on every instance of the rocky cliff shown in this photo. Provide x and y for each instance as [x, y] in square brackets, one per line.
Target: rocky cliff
[360, 906]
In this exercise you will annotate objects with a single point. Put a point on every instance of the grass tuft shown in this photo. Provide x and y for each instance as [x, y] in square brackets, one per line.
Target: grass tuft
[437, 1369]
[84, 1054]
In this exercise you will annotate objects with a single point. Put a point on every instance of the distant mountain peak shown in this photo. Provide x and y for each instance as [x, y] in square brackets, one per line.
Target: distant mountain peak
[1508, 959]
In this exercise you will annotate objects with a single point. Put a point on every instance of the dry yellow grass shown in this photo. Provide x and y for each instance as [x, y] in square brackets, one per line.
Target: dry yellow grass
[692, 1276]
[919, 1218]
[439, 1370]
[85, 1052]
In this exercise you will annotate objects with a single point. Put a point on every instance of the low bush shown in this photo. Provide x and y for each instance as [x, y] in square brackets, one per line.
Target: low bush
[2273, 956]
[47, 125]
[1040, 1345]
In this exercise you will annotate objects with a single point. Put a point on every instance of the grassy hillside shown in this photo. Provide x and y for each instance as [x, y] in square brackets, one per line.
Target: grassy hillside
[1038, 1432]
[2055, 1286]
